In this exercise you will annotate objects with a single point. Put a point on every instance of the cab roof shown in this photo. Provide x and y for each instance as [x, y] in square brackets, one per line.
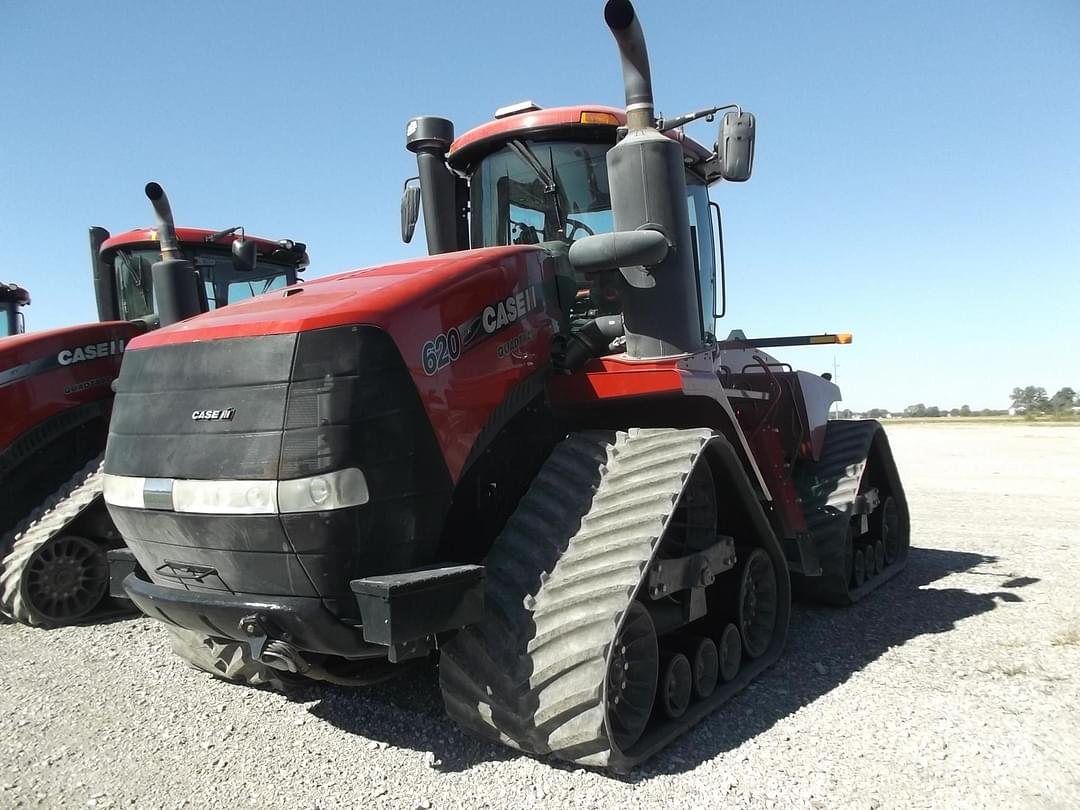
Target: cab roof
[533, 120]
[148, 236]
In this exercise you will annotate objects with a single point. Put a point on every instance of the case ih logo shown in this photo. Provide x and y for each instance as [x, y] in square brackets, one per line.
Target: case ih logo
[224, 415]
[91, 351]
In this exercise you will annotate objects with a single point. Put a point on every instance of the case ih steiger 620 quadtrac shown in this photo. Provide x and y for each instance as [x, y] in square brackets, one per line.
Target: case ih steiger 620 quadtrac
[526, 451]
[55, 397]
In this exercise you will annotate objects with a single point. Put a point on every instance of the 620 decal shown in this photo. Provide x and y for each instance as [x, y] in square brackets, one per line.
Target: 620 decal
[441, 352]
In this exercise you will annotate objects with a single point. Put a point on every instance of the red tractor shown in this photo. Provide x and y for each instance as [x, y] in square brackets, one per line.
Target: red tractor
[12, 299]
[56, 397]
[527, 452]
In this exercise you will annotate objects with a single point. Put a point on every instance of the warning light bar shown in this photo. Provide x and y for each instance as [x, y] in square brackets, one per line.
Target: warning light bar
[796, 340]
[594, 117]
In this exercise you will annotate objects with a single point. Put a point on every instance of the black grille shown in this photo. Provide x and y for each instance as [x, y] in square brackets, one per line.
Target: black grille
[304, 404]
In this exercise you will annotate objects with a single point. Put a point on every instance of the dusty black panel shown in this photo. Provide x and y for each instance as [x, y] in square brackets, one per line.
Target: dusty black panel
[357, 406]
[208, 365]
[351, 402]
[234, 455]
[231, 571]
[213, 532]
[204, 410]
[251, 409]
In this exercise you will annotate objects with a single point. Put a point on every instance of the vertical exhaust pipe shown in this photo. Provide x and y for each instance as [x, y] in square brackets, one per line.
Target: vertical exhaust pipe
[661, 301]
[104, 278]
[637, 79]
[429, 138]
[176, 283]
[170, 247]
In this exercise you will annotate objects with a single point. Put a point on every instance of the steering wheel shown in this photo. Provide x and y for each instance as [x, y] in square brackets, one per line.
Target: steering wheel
[577, 225]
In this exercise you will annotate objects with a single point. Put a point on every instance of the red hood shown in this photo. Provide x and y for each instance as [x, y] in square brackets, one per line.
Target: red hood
[21, 348]
[366, 296]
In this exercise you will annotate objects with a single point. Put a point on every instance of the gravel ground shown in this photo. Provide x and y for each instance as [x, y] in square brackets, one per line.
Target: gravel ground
[956, 685]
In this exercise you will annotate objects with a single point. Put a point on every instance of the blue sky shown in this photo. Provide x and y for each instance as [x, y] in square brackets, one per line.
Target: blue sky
[917, 177]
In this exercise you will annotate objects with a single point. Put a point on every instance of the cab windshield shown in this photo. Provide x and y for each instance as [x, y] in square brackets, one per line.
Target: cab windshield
[222, 282]
[512, 204]
[528, 192]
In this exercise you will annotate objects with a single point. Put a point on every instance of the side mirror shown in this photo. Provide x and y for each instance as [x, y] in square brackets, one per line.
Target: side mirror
[410, 211]
[714, 210]
[735, 149]
[244, 254]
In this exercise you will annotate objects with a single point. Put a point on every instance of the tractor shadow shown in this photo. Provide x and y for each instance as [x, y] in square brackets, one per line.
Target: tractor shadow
[825, 647]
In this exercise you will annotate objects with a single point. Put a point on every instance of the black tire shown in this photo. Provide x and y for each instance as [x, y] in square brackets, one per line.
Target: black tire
[858, 568]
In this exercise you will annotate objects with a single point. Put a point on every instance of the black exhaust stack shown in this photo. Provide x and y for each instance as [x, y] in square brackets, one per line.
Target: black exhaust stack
[176, 283]
[660, 295]
[104, 278]
[429, 138]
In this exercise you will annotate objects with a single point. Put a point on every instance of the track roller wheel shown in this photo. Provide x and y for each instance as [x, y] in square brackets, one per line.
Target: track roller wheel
[889, 529]
[632, 677]
[858, 568]
[758, 596]
[676, 686]
[60, 583]
[872, 569]
[879, 555]
[705, 662]
[730, 653]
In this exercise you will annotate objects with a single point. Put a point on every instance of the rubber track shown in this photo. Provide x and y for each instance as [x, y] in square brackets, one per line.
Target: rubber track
[560, 578]
[827, 489]
[224, 659]
[46, 522]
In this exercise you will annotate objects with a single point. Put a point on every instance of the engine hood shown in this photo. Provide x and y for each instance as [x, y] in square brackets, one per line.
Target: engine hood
[369, 296]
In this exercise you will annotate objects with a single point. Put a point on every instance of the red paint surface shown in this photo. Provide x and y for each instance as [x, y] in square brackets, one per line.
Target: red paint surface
[149, 236]
[28, 401]
[414, 302]
[554, 117]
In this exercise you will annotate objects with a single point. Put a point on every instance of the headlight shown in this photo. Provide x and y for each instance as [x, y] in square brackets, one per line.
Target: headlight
[336, 490]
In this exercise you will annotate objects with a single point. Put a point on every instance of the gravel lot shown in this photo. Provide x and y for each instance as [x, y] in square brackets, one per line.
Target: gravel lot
[956, 685]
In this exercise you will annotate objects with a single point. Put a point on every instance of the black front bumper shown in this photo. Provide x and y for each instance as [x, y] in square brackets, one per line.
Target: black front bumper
[404, 612]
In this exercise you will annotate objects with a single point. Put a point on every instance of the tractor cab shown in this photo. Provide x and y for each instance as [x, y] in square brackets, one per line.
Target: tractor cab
[124, 282]
[538, 176]
[12, 298]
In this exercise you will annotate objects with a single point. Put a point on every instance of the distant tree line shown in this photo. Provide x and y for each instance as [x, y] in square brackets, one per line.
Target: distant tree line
[1033, 399]
[1028, 400]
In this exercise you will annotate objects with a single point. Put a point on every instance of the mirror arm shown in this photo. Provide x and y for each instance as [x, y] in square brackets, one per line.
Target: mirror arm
[709, 113]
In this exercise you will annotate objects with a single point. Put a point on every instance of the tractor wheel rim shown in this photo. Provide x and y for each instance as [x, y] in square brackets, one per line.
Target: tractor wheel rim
[633, 672]
[758, 600]
[66, 578]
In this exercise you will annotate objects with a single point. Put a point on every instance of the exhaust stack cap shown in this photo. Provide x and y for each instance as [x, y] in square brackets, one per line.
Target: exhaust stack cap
[429, 131]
